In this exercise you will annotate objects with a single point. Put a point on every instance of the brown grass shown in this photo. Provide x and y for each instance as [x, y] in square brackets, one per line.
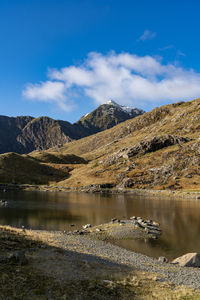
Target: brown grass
[49, 274]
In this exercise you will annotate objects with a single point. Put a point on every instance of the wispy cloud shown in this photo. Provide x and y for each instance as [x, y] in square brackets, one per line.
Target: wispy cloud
[177, 52]
[126, 78]
[147, 35]
[180, 53]
[168, 47]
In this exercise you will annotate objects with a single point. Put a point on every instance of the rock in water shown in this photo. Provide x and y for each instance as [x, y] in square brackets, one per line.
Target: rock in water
[188, 260]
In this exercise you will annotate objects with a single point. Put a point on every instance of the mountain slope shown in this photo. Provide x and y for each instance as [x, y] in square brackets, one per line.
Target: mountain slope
[157, 150]
[25, 134]
[106, 116]
[43, 133]
[10, 128]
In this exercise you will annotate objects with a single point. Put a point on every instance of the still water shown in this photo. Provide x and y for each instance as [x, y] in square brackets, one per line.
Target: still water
[179, 219]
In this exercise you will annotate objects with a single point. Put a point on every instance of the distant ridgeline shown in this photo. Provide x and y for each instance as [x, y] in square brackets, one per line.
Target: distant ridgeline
[25, 134]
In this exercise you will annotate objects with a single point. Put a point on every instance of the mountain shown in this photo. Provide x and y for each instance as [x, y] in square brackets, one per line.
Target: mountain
[10, 129]
[106, 116]
[25, 134]
[156, 150]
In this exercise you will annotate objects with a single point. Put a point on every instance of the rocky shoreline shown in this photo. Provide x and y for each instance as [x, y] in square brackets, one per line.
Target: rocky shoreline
[68, 263]
[103, 189]
[71, 263]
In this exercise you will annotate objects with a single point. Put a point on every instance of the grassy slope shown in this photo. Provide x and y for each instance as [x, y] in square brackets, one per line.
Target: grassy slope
[15, 168]
[57, 158]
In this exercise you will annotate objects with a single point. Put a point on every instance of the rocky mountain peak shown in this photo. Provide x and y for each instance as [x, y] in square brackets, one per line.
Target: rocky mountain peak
[112, 102]
[129, 110]
[106, 116]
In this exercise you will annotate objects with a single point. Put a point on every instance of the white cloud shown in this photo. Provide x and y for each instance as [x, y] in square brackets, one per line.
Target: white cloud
[126, 78]
[49, 91]
[147, 35]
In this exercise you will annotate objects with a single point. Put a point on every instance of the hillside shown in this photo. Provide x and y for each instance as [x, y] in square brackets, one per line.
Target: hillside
[157, 150]
[25, 134]
[15, 168]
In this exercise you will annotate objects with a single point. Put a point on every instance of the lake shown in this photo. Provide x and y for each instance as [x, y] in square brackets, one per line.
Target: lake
[179, 219]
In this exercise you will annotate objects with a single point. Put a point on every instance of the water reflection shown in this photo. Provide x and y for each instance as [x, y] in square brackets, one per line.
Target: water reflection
[180, 219]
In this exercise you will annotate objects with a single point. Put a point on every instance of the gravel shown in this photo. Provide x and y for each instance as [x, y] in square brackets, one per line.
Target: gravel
[113, 254]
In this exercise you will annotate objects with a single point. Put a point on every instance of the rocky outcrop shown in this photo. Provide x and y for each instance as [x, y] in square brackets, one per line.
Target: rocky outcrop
[149, 145]
[126, 183]
[188, 260]
[154, 144]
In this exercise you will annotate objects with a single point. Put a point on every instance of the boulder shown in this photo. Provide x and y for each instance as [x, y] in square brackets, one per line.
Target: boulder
[87, 226]
[139, 225]
[162, 259]
[188, 260]
[114, 219]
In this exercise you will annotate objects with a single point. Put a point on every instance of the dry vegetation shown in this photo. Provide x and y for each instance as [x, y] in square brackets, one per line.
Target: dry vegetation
[35, 279]
[15, 168]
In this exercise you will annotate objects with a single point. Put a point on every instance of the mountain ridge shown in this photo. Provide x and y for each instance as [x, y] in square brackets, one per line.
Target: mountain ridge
[24, 134]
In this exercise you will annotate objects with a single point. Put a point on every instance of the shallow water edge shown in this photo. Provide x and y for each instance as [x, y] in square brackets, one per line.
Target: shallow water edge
[172, 194]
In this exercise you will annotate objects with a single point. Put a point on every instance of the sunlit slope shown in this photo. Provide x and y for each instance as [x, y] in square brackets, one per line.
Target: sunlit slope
[179, 118]
[173, 163]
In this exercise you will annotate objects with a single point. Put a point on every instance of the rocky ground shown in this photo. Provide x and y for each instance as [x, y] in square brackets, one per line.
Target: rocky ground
[135, 228]
[57, 265]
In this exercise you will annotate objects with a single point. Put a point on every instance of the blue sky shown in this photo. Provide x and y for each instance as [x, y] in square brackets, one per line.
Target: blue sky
[63, 58]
